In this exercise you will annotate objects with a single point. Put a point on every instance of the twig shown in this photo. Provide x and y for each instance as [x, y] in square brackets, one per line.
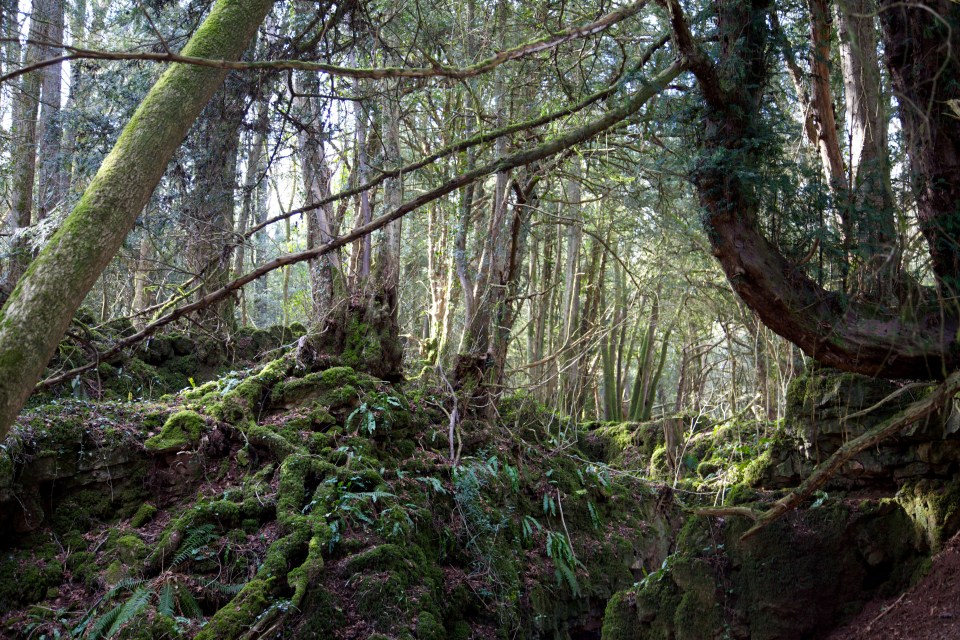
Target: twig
[433, 71]
[885, 611]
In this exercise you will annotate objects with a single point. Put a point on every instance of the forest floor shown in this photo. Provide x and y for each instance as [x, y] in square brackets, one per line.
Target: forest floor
[929, 610]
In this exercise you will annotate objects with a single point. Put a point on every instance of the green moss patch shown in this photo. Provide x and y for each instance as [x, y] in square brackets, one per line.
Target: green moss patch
[181, 431]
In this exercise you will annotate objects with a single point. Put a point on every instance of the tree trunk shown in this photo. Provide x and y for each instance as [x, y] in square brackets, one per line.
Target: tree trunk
[143, 297]
[921, 42]
[831, 328]
[50, 166]
[388, 254]
[326, 274]
[572, 352]
[210, 207]
[38, 312]
[24, 133]
[871, 206]
[252, 182]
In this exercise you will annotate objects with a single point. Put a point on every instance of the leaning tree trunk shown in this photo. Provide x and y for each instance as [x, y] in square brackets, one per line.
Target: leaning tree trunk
[38, 312]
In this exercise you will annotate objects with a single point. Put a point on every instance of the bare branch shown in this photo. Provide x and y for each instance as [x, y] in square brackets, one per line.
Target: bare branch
[436, 70]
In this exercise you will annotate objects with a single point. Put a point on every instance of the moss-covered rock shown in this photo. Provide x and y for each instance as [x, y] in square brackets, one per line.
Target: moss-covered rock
[143, 515]
[934, 507]
[181, 431]
[829, 560]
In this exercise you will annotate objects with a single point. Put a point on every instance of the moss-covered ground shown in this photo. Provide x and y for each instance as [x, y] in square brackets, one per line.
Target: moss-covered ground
[300, 503]
[304, 500]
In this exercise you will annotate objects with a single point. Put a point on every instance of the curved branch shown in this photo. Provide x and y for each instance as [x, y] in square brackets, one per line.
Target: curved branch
[848, 334]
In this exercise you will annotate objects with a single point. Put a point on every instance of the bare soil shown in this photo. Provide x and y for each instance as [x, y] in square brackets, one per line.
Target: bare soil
[929, 610]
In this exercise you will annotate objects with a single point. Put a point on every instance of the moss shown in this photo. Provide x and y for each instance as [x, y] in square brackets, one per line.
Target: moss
[323, 618]
[332, 388]
[461, 631]
[199, 392]
[234, 619]
[180, 431]
[303, 576]
[143, 515]
[83, 567]
[296, 473]
[740, 494]
[130, 549]
[115, 572]
[620, 619]
[27, 577]
[758, 469]
[428, 628]
[83, 509]
[934, 507]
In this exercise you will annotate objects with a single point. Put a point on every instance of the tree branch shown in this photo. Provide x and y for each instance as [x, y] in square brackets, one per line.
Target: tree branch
[463, 145]
[434, 71]
[539, 152]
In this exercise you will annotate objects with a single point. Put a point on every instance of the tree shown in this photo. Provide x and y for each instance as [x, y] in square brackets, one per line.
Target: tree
[916, 339]
[46, 297]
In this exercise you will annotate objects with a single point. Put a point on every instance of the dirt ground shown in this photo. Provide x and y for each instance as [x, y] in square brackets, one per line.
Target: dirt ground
[930, 610]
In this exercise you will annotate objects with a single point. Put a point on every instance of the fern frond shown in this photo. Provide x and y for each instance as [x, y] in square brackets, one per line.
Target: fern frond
[135, 604]
[105, 622]
[566, 573]
[196, 538]
[124, 585]
[225, 589]
[165, 606]
[189, 606]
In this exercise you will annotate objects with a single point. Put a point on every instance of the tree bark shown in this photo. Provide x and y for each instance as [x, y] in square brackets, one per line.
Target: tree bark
[24, 134]
[919, 342]
[210, 204]
[38, 312]
[921, 41]
[870, 202]
[50, 168]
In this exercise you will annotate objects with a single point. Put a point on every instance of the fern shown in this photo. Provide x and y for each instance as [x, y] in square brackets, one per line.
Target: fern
[167, 600]
[189, 605]
[225, 589]
[197, 538]
[113, 620]
[134, 605]
[564, 571]
[101, 625]
[564, 562]
[373, 496]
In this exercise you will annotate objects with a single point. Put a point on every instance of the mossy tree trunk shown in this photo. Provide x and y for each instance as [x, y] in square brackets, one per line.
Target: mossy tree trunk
[46, 297]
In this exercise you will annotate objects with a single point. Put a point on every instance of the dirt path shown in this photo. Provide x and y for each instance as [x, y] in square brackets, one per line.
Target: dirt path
[930, 610]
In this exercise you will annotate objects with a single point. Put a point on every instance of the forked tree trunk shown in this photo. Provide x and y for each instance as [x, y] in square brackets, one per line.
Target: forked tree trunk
[38, 312]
